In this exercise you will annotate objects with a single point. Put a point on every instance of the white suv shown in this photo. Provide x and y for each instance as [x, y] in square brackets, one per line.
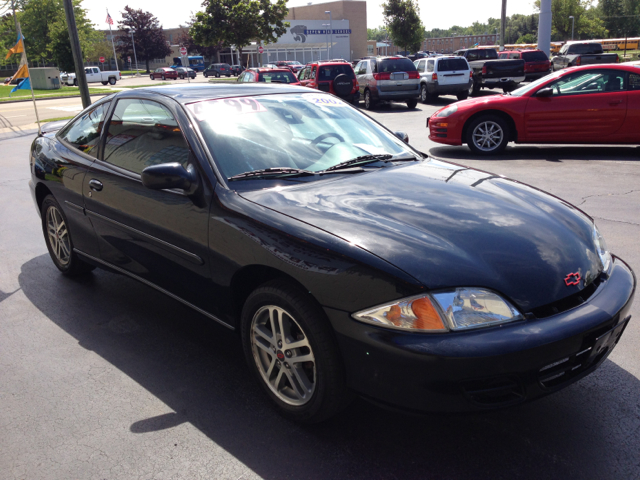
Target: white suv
[447, 75]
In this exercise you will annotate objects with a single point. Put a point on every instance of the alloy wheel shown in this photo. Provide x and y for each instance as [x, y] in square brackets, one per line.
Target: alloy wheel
[283, 355]
[58, 236]
[423, 93]
[487, 136]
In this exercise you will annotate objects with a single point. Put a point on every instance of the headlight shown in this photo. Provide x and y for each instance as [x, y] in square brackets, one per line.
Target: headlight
[447, 111]
[459, 309]
[601, 249]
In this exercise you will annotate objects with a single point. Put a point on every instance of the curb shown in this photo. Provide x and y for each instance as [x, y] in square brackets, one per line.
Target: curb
[9, 133]
[55, 98]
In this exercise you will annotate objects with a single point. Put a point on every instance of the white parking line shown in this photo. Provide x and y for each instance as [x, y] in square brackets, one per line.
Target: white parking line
[66, 109]
[15, 116]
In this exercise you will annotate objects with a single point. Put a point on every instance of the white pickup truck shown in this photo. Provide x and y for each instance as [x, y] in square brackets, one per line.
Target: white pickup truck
[94, 75]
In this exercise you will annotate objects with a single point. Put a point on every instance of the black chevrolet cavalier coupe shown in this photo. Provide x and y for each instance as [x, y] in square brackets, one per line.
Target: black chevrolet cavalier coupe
[347, 261]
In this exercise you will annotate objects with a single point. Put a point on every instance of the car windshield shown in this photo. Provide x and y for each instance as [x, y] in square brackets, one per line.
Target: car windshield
[534, 57]
[277, 77]
[534, 85]
[330, 72]
[306, 131]
[448, 65]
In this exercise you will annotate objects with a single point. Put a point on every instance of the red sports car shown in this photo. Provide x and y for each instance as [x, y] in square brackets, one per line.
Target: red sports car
[163, 74]
[591, 104]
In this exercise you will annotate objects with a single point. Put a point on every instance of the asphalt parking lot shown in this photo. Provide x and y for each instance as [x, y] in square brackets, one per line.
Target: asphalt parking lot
[105, 378]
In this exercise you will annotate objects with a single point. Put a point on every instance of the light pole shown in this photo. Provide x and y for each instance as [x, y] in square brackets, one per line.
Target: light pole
[327, 36]
[573, 22]
[330, 28]
[135, 57]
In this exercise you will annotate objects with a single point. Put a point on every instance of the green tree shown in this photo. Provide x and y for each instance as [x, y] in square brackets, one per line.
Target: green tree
[149, 38]
[378, 34]
[239, 22]
[185, 39]
[527, 38]
[620, 17]
[402, 19]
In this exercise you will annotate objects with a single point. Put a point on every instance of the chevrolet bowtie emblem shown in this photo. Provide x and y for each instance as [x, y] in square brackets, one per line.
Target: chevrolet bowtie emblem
[572, 279]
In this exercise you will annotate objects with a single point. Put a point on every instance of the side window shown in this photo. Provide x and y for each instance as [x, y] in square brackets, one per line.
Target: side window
[143, 133]
[502, 55]
[634, 82]
[313, 72]
[430, 65]
[583, 83]
[421, 65]
[84, 133]
[472, 56]
[303, 74]
[357, 69]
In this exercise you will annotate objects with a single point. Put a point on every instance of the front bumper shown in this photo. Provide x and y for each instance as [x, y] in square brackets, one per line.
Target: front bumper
[445, 130]
[487, 368]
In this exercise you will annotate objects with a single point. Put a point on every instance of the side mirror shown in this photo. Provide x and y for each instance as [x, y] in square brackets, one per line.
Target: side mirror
[170, 175]
[545, 92]
[402, 136]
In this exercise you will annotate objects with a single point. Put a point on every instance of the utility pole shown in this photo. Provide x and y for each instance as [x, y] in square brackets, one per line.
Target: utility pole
[544, 27]
[77, 54]
[503, 21]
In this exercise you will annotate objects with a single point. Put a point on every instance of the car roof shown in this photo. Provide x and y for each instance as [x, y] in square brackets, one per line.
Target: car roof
[196, 92]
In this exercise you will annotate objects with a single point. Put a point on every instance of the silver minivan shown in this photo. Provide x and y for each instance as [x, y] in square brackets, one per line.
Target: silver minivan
[447, 75]
[388, 79]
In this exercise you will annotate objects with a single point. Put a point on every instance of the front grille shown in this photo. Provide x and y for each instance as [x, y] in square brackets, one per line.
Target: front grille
[567, 303]
[495, 391]
[595, 347]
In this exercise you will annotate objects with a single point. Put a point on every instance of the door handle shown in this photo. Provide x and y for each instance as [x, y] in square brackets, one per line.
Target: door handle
[617, 102]
[95, 185]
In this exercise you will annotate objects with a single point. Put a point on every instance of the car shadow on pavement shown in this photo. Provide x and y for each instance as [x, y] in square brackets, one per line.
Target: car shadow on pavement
[543, 153]
[197, 369]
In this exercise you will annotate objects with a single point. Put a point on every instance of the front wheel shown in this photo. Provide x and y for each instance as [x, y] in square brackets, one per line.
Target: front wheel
[58, 239]
[205, 75]
[217, 75]
[290, 347]
[369, 104]
[75, 82]
[162, 77]
[151, 77]
[487, 135]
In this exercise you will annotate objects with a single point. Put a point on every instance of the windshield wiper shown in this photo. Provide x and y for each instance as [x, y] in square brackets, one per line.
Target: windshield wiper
[271, 172]
[361, 160]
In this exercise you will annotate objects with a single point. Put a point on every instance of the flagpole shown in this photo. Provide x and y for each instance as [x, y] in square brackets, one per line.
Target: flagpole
[24, 52]
[112, 44]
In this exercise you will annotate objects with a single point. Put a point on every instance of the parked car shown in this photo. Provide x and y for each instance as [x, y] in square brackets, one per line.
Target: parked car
[292, 65]
[444, 76]
[93, 75]
[268, 75]
[337, 78]
[217, 70]
[269, 65]
[346, 261]
[388, 79]
[184, 72]
[164, 73]
[574, 54]
[489, 72]
[536, 62]
[237, 69]
[592, 104]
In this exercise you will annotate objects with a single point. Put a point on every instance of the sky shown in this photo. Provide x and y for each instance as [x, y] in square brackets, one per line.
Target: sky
[434, 13]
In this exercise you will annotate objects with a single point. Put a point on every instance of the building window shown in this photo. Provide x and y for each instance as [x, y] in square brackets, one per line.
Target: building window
[370, 49]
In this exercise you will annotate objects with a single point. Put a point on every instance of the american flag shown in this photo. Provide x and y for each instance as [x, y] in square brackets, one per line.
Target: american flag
[109, 19]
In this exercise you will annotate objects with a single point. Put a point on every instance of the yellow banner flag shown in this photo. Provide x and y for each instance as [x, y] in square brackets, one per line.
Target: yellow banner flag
[23, 72]
[17, 48]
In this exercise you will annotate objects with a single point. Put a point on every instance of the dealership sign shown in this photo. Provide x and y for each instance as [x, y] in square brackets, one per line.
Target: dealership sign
[327, 32]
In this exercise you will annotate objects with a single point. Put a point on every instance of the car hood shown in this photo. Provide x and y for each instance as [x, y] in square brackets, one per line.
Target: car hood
[450, 226]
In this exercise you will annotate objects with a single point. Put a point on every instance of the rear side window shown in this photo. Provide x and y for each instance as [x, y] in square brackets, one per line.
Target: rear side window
[277, 77]
[585, 49]
[634, 81]
[84, 133]
[330, 72]
[143, 133]
[452, 64]
[396, 65]
[534, 57]
[430, 66]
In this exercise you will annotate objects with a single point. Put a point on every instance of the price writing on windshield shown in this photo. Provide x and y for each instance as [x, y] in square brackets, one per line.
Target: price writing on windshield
[226, 106]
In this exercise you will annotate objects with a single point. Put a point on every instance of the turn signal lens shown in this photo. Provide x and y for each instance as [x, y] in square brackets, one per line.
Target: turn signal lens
[413, 313]
[434, 77]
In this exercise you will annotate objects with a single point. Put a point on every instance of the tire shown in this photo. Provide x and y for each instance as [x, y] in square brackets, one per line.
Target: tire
[474, 88]
[152, 77]
[369, 104]
[462, 95]
[487, 135]
[411, 104]
[320, 389]
[112, 81]
[57, 236]
[205, 75]
[424, 93]
[105, 83]
[181, 77]
[162, 77]
[217, 75]
[75, 82]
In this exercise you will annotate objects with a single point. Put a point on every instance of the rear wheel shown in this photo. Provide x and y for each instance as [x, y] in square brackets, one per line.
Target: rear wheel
[411, 104]
[474, 88]
[369, 104]
[462, 95]
[290, 347]
[75, 82]
[487, 135]
[205, 75]
[112, 81]
[58, 239]
[217, 75]
[424, 93]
